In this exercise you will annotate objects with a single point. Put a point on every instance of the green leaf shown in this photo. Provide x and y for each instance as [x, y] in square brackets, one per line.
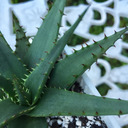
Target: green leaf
[9, 111]
[7, 85]
[23, 94]
[47, 34]
[2, 94]
[9, 64]
[70, 68]
[42, 73]
[56, 102]
[22, 43]
[28, 122]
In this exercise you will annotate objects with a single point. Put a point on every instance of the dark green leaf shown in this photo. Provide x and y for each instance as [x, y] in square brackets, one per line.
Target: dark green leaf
[22, 43]
[23, 93]
[6, 84]
[70, 68]
[28, 122]
[56, 102]
[42, 73]
[9, 111]
[10, 66]
[46, 36]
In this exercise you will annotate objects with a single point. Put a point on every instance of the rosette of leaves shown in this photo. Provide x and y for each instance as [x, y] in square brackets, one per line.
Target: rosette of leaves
[33, 86]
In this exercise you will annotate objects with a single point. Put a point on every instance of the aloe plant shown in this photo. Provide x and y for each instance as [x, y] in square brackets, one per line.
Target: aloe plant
[33, 86]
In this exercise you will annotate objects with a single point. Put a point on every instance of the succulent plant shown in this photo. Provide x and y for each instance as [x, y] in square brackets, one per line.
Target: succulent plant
[33, 86]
